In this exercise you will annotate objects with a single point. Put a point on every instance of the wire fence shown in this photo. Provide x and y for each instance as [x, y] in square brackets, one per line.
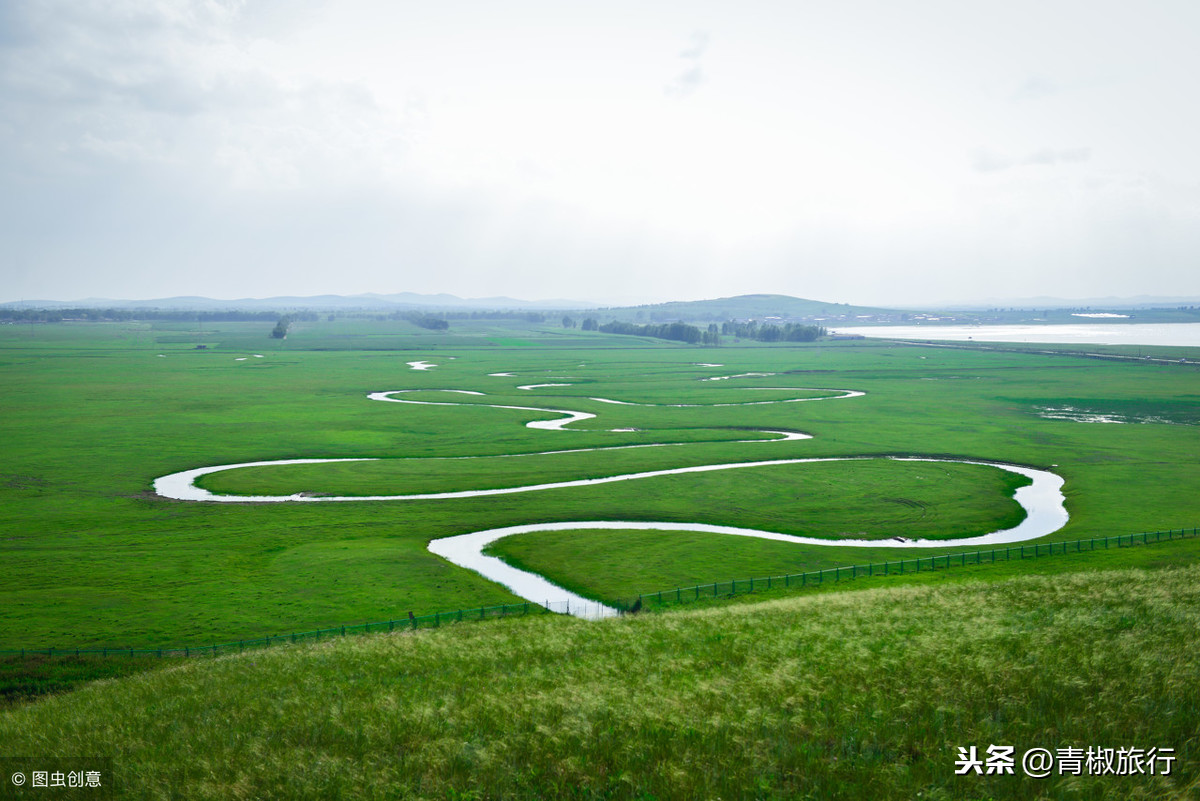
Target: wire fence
[410, 623]
[817, 578]
[645, 601]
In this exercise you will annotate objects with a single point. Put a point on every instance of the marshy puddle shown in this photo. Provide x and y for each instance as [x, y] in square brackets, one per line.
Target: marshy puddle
[1089, 416]
[739, 375]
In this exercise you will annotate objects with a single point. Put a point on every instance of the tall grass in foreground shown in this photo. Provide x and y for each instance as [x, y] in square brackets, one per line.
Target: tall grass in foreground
[848, 695]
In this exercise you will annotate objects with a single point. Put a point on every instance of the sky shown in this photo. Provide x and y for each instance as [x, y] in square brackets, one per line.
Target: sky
[885, 153]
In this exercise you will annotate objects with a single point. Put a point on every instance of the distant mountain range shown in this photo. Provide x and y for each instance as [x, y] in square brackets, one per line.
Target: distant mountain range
[762, 307]
[401, 300]
[741, 307]
[1137, 302]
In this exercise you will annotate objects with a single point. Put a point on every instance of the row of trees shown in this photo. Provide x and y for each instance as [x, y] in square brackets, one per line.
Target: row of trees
[125, 315]
[678, 332]
[432, 323]
[788, 332]
[682, 332]
[589, 323]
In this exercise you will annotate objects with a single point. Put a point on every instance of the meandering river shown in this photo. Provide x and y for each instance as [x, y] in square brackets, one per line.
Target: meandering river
[1042, 500]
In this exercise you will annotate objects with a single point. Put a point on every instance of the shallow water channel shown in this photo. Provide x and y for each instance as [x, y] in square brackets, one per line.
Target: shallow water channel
[1042, 501]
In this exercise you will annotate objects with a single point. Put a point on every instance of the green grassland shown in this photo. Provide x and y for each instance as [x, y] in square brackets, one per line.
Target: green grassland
[851, 689]
[845, 695]
[93, 413]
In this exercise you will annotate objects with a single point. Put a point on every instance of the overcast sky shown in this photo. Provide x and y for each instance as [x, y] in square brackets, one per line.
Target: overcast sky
[883, 153]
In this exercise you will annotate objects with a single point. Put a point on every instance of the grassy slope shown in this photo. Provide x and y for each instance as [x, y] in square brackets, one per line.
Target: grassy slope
[846, 695]
[92, 415]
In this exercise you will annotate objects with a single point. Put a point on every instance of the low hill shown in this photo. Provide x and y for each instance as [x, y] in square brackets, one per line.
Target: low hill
[880, 693]
[756, 307]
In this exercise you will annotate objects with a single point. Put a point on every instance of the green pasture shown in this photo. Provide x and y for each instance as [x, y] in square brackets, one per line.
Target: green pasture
[93, 413]
[847, 695]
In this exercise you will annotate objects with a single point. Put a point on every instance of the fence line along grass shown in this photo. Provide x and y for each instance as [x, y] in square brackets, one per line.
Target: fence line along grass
[847, 695]
[897, 567]
[412, 622]
[659, 599]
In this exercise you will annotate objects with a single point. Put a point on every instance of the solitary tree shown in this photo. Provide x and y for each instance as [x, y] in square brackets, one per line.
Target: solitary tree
[281, 328]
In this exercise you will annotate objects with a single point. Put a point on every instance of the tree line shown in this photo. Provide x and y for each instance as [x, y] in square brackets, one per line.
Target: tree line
[788, 332]
[677, 332]
[126, 315]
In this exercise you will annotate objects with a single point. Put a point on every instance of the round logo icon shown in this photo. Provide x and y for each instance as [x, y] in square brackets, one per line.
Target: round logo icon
[18, 779]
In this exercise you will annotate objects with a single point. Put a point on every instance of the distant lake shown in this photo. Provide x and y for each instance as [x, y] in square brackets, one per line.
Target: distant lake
[1181, 334]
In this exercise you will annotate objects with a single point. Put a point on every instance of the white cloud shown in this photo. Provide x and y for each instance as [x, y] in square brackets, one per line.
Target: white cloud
[692, 76]
[984, 160]
[535, 148]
